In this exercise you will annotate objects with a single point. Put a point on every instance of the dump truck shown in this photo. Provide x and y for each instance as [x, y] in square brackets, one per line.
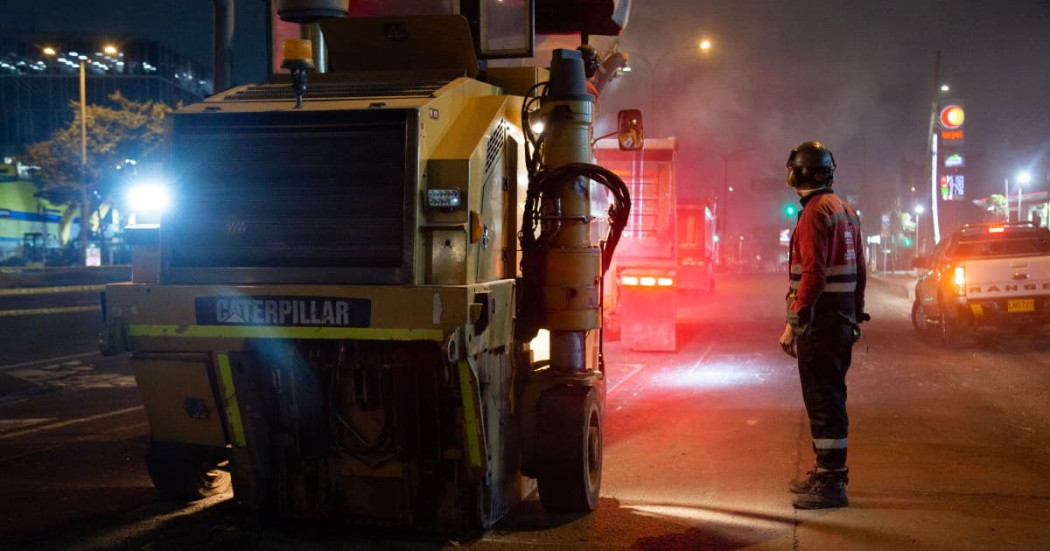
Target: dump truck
[375, 295]
[646, 267]
[696, 245]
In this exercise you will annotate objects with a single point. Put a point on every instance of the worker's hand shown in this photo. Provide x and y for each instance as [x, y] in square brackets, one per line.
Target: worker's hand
[787, 341]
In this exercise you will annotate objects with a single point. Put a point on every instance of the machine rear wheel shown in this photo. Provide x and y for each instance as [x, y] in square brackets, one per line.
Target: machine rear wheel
[185, 472]
[571, 467]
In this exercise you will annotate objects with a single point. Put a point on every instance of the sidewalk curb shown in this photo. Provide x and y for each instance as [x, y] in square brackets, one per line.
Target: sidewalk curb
[904, 287]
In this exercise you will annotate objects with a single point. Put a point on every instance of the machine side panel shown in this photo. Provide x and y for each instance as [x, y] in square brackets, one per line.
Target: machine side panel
[180, 402]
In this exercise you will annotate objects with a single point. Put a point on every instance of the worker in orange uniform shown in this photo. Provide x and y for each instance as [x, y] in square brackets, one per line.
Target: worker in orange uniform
[825, 307]
[591, 64]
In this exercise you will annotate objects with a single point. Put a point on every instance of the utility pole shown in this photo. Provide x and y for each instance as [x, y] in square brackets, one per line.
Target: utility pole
[85, 197]
[931, 151]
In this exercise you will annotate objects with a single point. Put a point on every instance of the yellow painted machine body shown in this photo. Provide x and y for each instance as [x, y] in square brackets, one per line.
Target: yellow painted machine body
[338, 303]
[332, 300]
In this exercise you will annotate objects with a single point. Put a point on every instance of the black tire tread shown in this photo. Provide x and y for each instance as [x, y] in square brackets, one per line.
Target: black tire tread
[564, 484]
[186, 472]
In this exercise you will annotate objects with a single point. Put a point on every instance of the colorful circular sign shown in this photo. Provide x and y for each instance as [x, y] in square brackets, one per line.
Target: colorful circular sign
[952, 117]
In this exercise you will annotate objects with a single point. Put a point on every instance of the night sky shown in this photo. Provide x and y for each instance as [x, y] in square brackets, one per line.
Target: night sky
[858, 76]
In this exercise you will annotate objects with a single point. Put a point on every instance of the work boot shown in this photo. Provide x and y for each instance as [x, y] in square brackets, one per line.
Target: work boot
[825, 490]
[797, 486]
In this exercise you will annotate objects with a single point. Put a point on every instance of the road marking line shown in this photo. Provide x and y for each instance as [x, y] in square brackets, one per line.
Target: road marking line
[50, 290]
[11, 424]
[640, 367]
[59, 359]
[70, 422]
[703, 356]
[637, 368]
[40, 311]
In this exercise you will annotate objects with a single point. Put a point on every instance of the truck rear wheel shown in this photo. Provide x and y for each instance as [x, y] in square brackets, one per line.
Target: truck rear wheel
[186, 472]
[570, 474]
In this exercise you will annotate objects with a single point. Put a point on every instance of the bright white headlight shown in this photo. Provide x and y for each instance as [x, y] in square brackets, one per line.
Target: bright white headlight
[149, 197]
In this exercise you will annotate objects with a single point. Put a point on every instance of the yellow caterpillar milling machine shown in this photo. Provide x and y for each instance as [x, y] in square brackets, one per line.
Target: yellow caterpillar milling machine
[344, 313]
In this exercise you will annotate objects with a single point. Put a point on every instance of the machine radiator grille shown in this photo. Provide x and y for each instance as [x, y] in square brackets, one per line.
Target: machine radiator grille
[296, 190]
[496, 144]
[334, 90]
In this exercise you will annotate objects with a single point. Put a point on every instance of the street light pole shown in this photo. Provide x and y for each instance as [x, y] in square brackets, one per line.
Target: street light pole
[918, 240]
[724, 216]
[1022, 180]
[83, 119]
[1006, 197]
[703, 46]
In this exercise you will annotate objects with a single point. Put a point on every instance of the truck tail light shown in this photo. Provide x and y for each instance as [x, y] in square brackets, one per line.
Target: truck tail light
[959, 280]
[646, 281]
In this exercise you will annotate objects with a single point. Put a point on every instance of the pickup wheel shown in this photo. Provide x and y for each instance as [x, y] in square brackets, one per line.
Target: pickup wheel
[920, 320]
[949, 330]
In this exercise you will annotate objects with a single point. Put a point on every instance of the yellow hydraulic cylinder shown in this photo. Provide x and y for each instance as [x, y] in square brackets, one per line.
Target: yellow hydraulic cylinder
[572, 267]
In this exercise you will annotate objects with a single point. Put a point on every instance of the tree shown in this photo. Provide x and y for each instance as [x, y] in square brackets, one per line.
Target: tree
[130, 130]
[999, 210]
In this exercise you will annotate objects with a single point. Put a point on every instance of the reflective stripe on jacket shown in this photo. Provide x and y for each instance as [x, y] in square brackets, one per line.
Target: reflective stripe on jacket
[827, 261]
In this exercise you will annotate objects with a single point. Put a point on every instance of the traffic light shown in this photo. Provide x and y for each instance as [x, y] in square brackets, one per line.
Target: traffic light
[906, 242]
[789, 210]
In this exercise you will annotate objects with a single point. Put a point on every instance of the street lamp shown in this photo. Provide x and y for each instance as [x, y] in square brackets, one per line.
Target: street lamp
[703, 46]
[49, 51]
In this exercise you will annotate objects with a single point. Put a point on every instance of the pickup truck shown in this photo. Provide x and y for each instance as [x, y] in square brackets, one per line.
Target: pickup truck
[985, 276]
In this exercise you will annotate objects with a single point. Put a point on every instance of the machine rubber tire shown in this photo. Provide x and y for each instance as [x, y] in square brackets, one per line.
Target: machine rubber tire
[571, 471]
[186, 472]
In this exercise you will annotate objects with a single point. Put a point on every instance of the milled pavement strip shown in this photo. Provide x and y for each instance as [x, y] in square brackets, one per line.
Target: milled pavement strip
[699, 360]
[62, 424]
[50, 290]
[46, 361]
[40, 311]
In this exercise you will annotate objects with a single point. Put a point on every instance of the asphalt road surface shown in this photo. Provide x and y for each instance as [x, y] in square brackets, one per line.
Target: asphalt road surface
[949, 449]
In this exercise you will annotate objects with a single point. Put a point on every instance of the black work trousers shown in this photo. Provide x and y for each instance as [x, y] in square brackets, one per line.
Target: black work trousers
[824, 355]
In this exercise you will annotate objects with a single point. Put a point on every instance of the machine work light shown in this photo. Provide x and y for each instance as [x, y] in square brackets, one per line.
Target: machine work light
[149, 197]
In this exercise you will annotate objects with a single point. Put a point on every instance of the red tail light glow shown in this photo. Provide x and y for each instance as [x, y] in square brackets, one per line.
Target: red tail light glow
[996, 229]
[646, 281]
[959, 279]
